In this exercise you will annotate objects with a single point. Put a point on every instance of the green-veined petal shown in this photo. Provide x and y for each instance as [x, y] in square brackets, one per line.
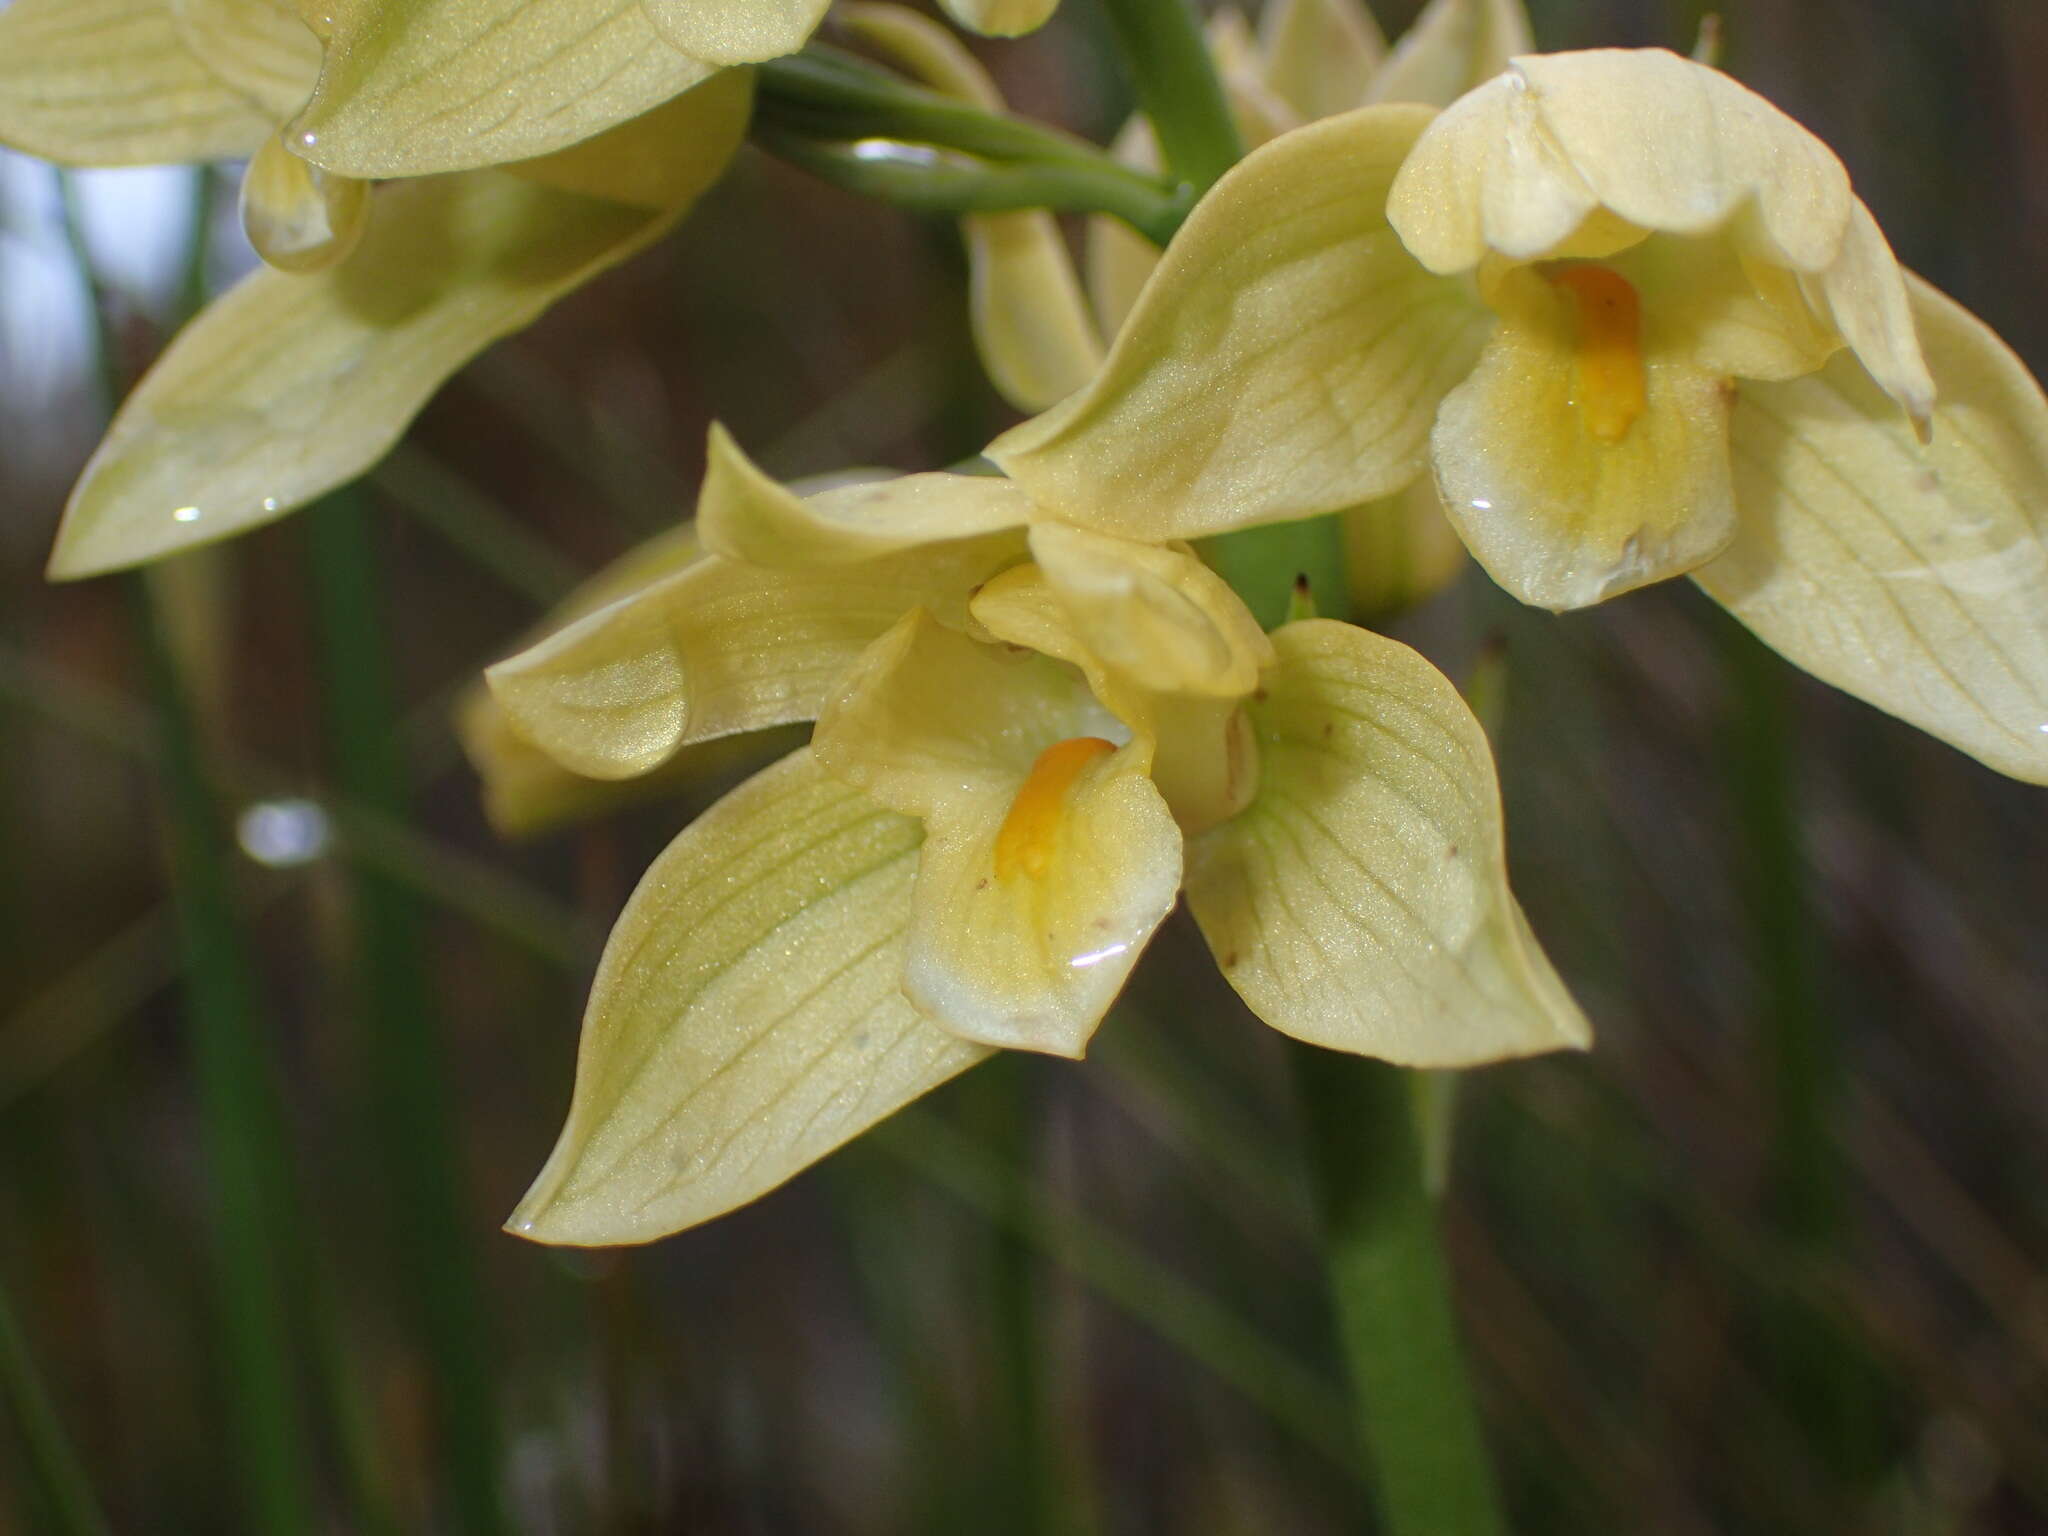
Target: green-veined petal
[722, 647]
[1285, 360]
[290, 385]
[260, 48]
[1361, 902]
[748, 1015]
[1915, 578]
[417, 86]
[111, 82]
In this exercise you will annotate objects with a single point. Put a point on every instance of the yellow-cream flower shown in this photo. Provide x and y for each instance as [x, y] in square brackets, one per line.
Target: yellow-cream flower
[307, 371]
[1031, 738]
[1637, 324]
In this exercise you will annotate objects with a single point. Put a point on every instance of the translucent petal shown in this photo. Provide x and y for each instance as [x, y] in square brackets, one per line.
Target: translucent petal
[111, 82]
[1453, 46]
[258, 47]
[1915, 578]
[719, 648]
[1001, 18]
[1659, 141]
[1285, 360]
[1558, 516]
[288, 386]
[1320, 54]
[748, 1015]
[746, 515]
[298, 217]
[1049, 858]
[417, 86]
[1362, 902]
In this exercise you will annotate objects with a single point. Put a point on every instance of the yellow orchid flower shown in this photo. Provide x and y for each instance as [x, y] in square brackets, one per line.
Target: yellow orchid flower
[309, 370]
[1030, 739]
[1639, 326]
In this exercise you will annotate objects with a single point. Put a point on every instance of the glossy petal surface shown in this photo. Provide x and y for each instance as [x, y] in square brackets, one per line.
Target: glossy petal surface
[1361, 902]
[747, 1017]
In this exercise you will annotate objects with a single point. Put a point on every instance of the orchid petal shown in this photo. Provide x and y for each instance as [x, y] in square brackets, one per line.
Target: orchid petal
[1558, 516]
[290, 385]
[412, 87]
[721, 647]
[1361, 902]
[1453, 46]
[1001, 18]
[746, 515]
[112, 82]
[260, 48]
[1320, 55]
[1656, 140]
[747, 1017]
[1285, 360]
[1913, 577]
[1049, 858]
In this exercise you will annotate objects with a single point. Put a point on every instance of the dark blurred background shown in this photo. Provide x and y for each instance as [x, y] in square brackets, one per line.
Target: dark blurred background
[1772, 1258]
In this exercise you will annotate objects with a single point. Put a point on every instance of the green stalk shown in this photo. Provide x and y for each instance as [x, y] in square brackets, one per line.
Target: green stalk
[930, 180]
[53, 1460]
[1163, 48]
[241, 1125]
[408, 1077]
[1392, 1290]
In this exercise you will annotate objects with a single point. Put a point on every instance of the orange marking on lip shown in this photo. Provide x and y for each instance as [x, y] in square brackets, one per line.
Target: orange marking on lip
[1025, 841]
[1613, 385]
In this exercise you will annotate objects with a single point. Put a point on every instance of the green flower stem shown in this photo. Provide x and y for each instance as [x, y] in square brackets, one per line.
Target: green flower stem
[930, 180]
[402, 1039]
[1163, 48]
[247, 1151]
[53, 1461]
[1391, 1287]
[832, 95]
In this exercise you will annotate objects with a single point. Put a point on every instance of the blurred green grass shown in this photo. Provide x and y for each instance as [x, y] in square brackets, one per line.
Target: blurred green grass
[1660, 1346]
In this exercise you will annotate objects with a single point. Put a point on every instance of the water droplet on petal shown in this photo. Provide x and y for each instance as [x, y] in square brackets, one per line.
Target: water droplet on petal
[283, 834]
[299, 217]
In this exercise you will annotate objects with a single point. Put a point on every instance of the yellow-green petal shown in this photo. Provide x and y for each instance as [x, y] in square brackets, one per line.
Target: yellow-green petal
[418, 86]
[1913, 577]
[1399, 551]
[111, 82]
[1320, 55]
[1453, 46]
[1658, 141]
[719, 648]
[1559, 516]
[260, 48]
[748, 1016]
[1285, 360]
[1361, 902]
[1049, 858]
[749, 516]
[290, 385]
[1865, 295]
[735, 31]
